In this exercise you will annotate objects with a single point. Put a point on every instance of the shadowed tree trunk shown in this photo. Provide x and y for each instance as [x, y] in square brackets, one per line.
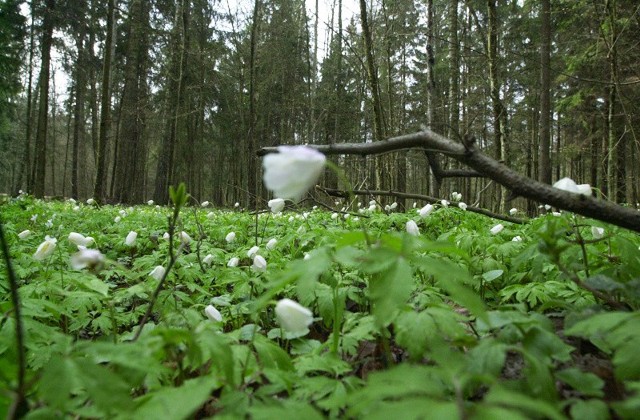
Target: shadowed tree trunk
[545, 93]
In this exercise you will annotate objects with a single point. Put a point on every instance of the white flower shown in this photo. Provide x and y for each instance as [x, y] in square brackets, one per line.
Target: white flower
[130, 240]
[236, 205]
[49, 223]
[334, 216]
[496, 229]
[253, 251]
[556, 213]
[34, 217]
[276, 205]
[211, 215]
[117, 219]
[293, 317]
[272, 243]
[208, 259]
[122, 212]
[516, 239]
[456, 196]
[292, 171]
[233, 262]
[597, 232]
[86, 258]
[205, 204]
[259, 263]
[91, 201]
[158, 272]
[412, 228]
[346, 216]
[166, 236]
[24, 234]
[212, 313]
[547, 207]
[387, 208]
[424, 212]
[291, 219]
[76, 208]
[46, 248]
[444, 203]
[372, 207]
[72, 201]
[568, 184]
[462, 205]
[79, 239]
[315, 208]
[513, 211]
[307, 256]
[393, 206]
[231, 236]
[150, 202]
[184, 237]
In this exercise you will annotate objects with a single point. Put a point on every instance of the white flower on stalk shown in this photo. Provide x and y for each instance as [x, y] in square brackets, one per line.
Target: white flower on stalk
[456, 196]
[276, 205]
[597, 232]
[272, 243]
[496, 229]
[547, 207]
[444, 203]
[373, 207]
[76, 208]
[212, 313]
[462, 205]
[307, 256]
[72, 201]
[233, 262]
[334, 216]
[91, 201]
[424, 212]
[513, 211]
[516, 239]
[236, 205]
[130, 240]
[24, 234]
[568, 184]
[34, 217]
[184, 237]
[393, 206]
[166, 236]
[122, 212]
[150, 202]
[293, 317]
[158, 272]
[79, 239]
[49, 224]
[556, 213]
[46, 248]
[208, 259]
[117, 219]
[412, 228]
[211, 215]
[231, 237]
[259, 263]
[86, 258]
[346, 216]
[204, 204]
[253, 251]
[292, 171]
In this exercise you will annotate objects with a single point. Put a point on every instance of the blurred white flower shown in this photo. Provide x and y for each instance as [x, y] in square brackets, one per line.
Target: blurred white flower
[456, 196]
[346, 216]
[86, 258]
[91, 201]
[292, 171]
[211, 215]
[233, 262]
[130, 240]
[46, 248]
[231, 237]
[79, 239]
[496, 229]
[24, 234]
[293, 317]
[212, 313]
[166, 236]
[513, 211]
[253, 251]
[412, 228]
[516, 239]
[236, 205]
[158, 272]
[334, 216]
[547, 207]
[208, 259]
[556, 213]
[444, 203]
[49, 224]
[462, 205]
[117, 219]
[72, 201]
[184, 237]
[34, 217]
[597, 232]
[122, 212]
[76, 208]
[272, 243]
[393, 206]
[424, 212]
[150, 202]
[276, 205]
[568, 184]
[204, 204]
[307, 256]
[259, 263]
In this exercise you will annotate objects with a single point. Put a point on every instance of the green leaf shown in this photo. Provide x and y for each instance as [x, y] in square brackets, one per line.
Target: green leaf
[586, 383]
[489, 276]
[176, 403]
[390, 290]
[59, 378]
[535, 407]
[271, 355]
[590, 410]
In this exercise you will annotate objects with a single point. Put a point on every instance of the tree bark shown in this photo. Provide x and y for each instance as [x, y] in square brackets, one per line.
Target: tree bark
[545, 93]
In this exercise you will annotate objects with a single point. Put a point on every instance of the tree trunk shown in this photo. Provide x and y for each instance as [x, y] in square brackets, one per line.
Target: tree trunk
[545, 93]
[43, 112]
[252, 143]
[78, 110]
[454, 72]
[100, 188]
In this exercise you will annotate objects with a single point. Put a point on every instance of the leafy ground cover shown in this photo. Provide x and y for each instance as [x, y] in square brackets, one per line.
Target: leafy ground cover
[460, 319]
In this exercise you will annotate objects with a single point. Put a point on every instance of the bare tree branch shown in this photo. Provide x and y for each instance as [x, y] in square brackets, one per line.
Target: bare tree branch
[473, 158]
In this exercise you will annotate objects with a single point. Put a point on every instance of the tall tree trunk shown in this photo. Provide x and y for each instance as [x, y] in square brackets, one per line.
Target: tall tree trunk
[431, 93]
[100, 187]
[43, 112]
[454, 72]
[78, 110]
[252, 143]
[545, 93]
[372, 74]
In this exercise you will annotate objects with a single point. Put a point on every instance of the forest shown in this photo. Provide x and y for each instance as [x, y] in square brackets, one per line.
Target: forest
[161, 92]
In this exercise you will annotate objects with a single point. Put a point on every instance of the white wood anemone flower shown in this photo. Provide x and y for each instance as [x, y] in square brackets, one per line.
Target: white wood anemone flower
[90, 258]
[233, 262]
[24, 234]
[496, 229]
[292, 171]
[46, 248]
[259, 263]
[130, 240]
[212, 313]
[231, 236]
[158, 272]
[276, 205]
[412, 228]
[79, 239]
[568, 184]
[293, 317]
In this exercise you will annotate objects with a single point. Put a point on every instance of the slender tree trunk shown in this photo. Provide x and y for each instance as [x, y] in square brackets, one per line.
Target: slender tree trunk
[78, 110]
[545, 93]
[454, 72]
[431, 91]
[372, 74]
[43, 113]
[252, 143]
[100, 188]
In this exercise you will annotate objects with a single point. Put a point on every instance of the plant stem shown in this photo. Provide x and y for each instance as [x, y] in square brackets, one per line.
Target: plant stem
[19, 407]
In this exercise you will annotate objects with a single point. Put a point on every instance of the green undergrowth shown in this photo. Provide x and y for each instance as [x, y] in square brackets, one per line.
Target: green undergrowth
[454, 323]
